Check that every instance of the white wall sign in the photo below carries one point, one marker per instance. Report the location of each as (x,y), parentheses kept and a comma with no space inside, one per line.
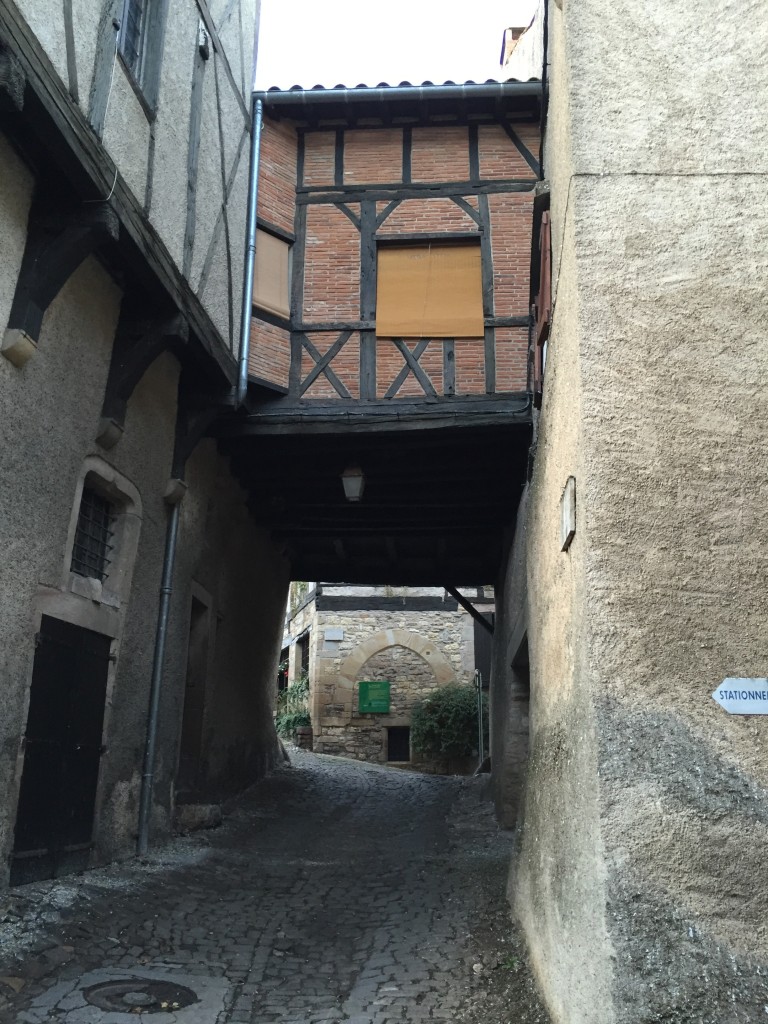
(568,514)
(743,696)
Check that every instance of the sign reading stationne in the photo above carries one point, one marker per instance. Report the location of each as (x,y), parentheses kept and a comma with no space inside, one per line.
(743,696)
(373,697)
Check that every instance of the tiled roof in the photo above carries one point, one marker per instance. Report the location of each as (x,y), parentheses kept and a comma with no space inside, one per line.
(396,85)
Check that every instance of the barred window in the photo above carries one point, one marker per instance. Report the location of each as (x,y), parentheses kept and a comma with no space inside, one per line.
(92,548)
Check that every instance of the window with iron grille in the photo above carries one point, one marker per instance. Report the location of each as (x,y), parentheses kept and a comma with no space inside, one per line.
(92,548)
(131,33)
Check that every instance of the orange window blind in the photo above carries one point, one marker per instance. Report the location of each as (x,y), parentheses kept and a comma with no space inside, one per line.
(271,274)
(429,291)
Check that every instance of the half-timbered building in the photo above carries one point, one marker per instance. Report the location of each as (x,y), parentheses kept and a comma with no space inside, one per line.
(389,341)
(130,674)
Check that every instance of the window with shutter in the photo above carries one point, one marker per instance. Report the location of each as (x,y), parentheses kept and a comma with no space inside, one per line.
(429,291)
(272,274)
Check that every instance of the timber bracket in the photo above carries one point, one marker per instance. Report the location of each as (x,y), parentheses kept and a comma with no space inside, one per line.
(470,608)
(12,81)
(137,344)
(57,243)
(200,405)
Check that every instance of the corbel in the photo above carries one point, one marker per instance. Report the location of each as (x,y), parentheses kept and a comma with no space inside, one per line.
(138,342)
(57,243)
(12,81)
(199,406)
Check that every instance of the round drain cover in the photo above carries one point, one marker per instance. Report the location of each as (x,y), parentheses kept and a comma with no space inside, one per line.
(145,995)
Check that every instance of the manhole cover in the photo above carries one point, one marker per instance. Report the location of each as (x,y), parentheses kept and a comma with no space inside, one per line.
(141,995)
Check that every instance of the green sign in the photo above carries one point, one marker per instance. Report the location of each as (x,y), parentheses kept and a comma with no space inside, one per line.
(373,697)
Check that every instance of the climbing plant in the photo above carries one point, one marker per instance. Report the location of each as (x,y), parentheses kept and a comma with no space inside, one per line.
(292,709)
(445,723)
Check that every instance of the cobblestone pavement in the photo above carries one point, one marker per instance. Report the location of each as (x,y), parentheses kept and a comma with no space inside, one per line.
(335,892)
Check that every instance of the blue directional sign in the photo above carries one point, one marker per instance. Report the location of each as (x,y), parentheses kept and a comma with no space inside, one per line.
(743,696)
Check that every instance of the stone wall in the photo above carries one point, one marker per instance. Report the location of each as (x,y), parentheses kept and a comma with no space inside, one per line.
(416,651)
(639,881)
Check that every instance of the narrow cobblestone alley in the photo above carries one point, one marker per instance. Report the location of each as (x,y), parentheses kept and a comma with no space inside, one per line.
(335,891)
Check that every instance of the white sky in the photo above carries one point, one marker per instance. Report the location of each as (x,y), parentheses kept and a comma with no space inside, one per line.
(349,42)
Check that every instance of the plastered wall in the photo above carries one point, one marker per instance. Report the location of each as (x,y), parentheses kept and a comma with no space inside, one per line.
(183,152)
(50,417)
(639,883)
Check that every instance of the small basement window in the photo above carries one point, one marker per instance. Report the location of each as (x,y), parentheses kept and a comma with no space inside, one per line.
(93,544)
(272,274)
(433,290)
(399,743)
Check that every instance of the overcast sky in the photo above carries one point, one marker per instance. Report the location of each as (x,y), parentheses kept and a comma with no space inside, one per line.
(330,42)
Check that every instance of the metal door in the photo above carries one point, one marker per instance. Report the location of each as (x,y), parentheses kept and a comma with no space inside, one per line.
(54,818)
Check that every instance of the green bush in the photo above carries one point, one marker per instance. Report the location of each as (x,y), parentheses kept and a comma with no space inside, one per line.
(292,709)
(445,723)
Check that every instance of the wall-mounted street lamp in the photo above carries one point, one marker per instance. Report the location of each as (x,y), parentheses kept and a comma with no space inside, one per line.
(354,483)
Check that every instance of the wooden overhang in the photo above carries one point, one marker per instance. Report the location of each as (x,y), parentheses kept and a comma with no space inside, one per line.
(74,176)
(442,485)
(443,473)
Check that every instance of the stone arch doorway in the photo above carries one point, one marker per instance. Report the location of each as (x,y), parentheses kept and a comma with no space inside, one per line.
(413,664)
(425,648)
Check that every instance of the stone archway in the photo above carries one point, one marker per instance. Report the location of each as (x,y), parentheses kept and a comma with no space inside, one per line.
(425,648)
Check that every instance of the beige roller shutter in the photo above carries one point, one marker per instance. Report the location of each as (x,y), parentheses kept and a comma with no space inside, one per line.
(429,291)
(271,288)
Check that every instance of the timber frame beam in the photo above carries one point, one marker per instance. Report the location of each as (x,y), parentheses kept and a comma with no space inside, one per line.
(137,344)
(12,81)
(55,135)
(57,243)
(470,608)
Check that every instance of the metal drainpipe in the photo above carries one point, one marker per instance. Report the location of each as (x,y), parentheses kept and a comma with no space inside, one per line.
(250,250)
(161,634)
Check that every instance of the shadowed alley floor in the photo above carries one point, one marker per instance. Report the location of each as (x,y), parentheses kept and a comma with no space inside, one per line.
(335,892)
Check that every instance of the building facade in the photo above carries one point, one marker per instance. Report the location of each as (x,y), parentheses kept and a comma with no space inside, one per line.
(124,139)
(635,582)
(415,639)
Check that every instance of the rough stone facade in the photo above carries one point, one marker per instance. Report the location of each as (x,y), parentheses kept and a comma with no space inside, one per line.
(639,881)
(416,650)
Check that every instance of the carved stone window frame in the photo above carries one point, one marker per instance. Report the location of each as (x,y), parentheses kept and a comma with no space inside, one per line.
(113,592)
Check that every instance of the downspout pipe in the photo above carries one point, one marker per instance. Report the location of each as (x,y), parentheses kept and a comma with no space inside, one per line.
(161,635)
(257,112)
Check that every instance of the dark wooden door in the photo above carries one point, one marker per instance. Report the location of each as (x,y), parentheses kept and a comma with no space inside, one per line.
(54,818)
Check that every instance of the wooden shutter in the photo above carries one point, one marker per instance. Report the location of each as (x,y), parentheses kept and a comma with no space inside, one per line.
(271,289)
(429,291)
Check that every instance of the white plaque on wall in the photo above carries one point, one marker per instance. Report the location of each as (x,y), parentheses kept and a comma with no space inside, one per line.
(568,514)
